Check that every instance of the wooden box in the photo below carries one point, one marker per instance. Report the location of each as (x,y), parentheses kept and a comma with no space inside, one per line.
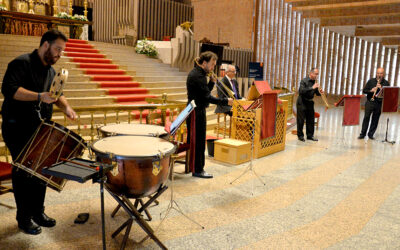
(232,151)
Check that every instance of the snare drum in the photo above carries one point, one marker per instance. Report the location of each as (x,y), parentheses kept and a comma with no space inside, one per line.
(142,163)
(133,129)
(48,145)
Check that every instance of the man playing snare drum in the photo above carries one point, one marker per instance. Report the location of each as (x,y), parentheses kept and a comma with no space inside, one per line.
(25,88)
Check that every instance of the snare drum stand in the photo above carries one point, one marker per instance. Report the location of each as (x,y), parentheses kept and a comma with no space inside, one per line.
(102,178)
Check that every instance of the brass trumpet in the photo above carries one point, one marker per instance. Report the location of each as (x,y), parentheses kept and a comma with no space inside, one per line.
(376,94)
(213,75)
(323,96)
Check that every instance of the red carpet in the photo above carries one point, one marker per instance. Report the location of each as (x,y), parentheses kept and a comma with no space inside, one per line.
(111,84)
(90,60)
(97,66)
(111,78)
(81,54)
(119,91)
(102,70)
(71,49)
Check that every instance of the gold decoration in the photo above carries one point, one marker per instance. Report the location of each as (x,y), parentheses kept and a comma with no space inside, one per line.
(85,8)
(31,7)
(55,8)
(70,7)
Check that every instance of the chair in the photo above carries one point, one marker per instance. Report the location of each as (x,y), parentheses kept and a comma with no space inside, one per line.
(5,174)
(226,131)
(316,117)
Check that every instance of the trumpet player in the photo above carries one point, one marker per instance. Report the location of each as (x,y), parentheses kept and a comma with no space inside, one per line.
(305,105)
(200,91)
(373,104)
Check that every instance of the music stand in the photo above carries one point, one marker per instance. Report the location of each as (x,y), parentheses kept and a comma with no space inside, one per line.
(81,170)
(390,104)
(171,128)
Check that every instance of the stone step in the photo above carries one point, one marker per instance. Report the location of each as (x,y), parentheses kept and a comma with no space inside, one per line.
(140,78)
(79,71)
(84,92)
(73,65)
(86,101)
(164,83)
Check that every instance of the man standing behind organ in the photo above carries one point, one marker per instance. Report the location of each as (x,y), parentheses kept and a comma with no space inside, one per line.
(232,85)
(25,86)
(200,91)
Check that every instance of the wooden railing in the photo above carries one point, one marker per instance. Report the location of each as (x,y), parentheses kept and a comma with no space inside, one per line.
(91,118)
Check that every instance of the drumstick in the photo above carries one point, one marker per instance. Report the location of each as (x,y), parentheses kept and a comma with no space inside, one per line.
(80,164)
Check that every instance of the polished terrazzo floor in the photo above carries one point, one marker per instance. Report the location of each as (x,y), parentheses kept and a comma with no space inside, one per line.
(337,193)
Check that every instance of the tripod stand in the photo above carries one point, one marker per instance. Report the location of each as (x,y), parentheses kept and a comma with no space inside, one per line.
(172,203)
(250,166)
(386,136)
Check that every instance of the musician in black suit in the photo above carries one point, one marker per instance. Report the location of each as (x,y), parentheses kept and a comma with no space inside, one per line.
(200,91)
(373,105)
(232,85)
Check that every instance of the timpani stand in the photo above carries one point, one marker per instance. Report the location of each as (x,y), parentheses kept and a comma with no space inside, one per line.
(135,215)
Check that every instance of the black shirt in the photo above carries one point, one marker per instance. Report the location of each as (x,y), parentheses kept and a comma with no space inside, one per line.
(371,84)
(26,71)
(306,92)
(200,91)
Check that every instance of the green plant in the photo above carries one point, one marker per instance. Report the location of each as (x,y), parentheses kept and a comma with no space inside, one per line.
(147,48)
(77,17)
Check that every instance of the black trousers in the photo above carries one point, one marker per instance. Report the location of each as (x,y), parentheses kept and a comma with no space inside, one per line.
(371,108)
(305,112)
(29,191)
(200,147)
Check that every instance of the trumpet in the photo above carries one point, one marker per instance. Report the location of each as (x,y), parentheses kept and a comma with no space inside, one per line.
(211,74)
(376,90)
(323,96)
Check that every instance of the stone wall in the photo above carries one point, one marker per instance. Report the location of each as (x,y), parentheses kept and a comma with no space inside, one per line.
(224,21)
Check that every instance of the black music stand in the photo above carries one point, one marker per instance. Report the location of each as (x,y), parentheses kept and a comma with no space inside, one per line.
(171,128)
(82,170)
(390,104)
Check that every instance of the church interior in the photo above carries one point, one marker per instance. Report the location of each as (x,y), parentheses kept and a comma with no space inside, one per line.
(124,71)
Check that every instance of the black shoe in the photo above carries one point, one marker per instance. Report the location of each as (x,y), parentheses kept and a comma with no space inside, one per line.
(301,139)
(30,227)
(312,139)
(43,220)
(203,174)
(361,137)
(371,137)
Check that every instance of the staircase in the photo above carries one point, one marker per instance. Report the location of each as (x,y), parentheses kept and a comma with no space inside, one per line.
(105,74)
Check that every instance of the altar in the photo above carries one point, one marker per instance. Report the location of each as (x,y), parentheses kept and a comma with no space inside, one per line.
(35,17)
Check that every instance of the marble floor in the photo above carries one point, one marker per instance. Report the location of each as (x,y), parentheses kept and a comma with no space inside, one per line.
(337,193)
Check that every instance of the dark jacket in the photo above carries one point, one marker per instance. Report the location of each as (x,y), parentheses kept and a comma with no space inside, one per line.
(306,92)
(200,91)
(26,71)
(222,93)
(371,84)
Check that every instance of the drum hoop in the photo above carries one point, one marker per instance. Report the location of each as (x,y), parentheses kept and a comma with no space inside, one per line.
(48,181)
(156,157)
(114,133)
(71,133)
